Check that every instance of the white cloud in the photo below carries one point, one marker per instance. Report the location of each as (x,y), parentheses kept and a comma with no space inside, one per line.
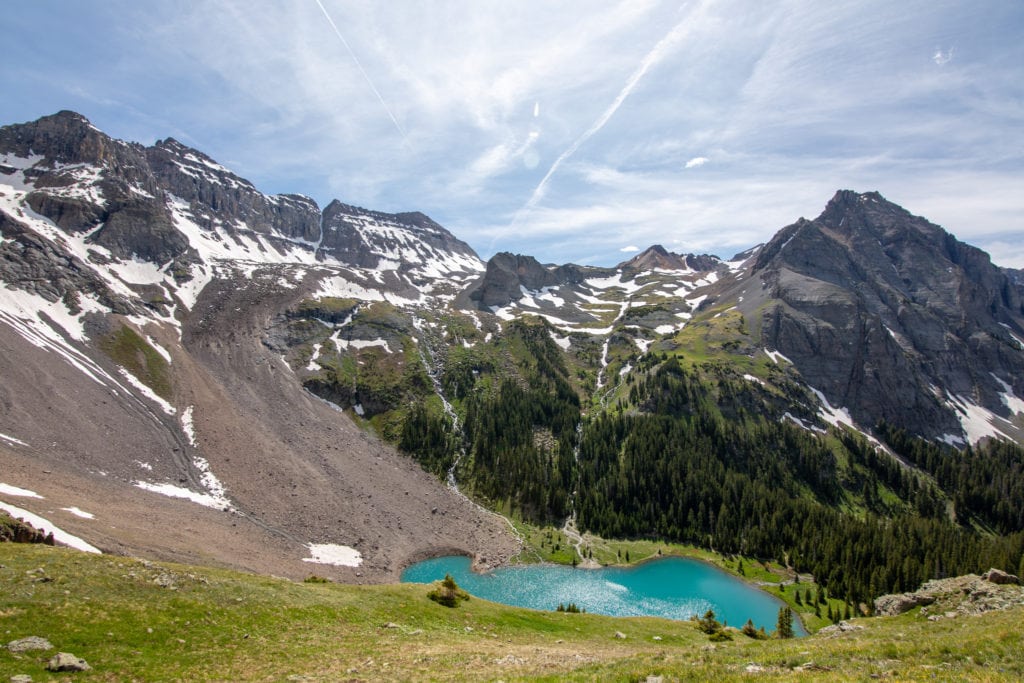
(588,115)
(941,57)
(631,248)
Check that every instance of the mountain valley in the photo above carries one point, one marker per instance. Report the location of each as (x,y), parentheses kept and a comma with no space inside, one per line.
(223,377)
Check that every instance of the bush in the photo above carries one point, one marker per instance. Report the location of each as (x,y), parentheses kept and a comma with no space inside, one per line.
(755,633)
(313,578)
(708,624)
(448,593)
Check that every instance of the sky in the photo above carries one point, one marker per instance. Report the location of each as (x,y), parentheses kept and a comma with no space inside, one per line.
(571,131)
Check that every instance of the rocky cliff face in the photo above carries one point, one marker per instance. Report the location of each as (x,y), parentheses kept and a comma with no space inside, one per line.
(892,317)
(404,241)
(219,198)
(508,275)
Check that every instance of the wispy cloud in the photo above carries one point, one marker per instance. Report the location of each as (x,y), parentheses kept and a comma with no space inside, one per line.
(525,126)
(652,58)
(369,81)
(631,248)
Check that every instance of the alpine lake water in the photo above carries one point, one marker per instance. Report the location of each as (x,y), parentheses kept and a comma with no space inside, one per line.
(669,587)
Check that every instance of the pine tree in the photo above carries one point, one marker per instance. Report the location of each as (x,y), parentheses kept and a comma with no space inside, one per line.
(784,626)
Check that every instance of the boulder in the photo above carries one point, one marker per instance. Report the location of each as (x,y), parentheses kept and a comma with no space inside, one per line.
(30,643)
(65,661)
(842,627)
(891,605)
(1000,577)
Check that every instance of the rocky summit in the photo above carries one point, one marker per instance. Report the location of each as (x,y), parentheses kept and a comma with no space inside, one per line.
(195,370)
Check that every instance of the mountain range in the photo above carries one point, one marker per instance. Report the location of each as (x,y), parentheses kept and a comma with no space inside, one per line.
(221,376)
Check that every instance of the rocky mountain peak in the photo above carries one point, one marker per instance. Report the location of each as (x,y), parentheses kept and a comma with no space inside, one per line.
(410,241)
(657,257)
(872,296)
(62,138)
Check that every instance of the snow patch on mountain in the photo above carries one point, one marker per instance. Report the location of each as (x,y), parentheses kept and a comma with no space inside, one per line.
(59,535)
(147,392)
(977,422)
(1010,400)
(831,415)
(188,426)
(777,356)
(172,491)
(9,490)
(333,554)
(78,512)
(12,440)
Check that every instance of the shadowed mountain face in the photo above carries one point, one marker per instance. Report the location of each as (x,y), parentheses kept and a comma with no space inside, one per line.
(230,370)
(890,316)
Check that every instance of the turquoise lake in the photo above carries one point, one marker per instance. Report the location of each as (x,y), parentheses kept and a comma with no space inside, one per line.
(670,587)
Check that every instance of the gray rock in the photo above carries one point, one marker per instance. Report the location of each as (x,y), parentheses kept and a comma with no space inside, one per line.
(842,627)
(70,213)
(21,678)
(65,661)
(891,605)
(29,643)
(619,635)
(1000,577)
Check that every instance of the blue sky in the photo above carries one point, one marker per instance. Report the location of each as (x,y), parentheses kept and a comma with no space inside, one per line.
(572,131)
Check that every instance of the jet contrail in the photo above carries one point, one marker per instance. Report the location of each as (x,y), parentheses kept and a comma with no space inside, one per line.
(355,59)
(655,55)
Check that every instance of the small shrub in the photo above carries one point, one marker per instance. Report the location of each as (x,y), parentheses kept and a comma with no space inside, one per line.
(749,631)
(708,624)
(313,578)
(448,593)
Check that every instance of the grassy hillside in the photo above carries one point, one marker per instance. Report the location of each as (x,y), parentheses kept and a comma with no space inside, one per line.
(138,620)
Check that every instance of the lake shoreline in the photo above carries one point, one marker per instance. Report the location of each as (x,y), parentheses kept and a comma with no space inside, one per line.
(671,586)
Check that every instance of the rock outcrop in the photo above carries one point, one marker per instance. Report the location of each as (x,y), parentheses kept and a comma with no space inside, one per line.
(508,275)
(65,661)
(962,595)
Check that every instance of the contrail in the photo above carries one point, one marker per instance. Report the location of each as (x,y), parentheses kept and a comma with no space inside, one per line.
(655,55)
(398,126)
